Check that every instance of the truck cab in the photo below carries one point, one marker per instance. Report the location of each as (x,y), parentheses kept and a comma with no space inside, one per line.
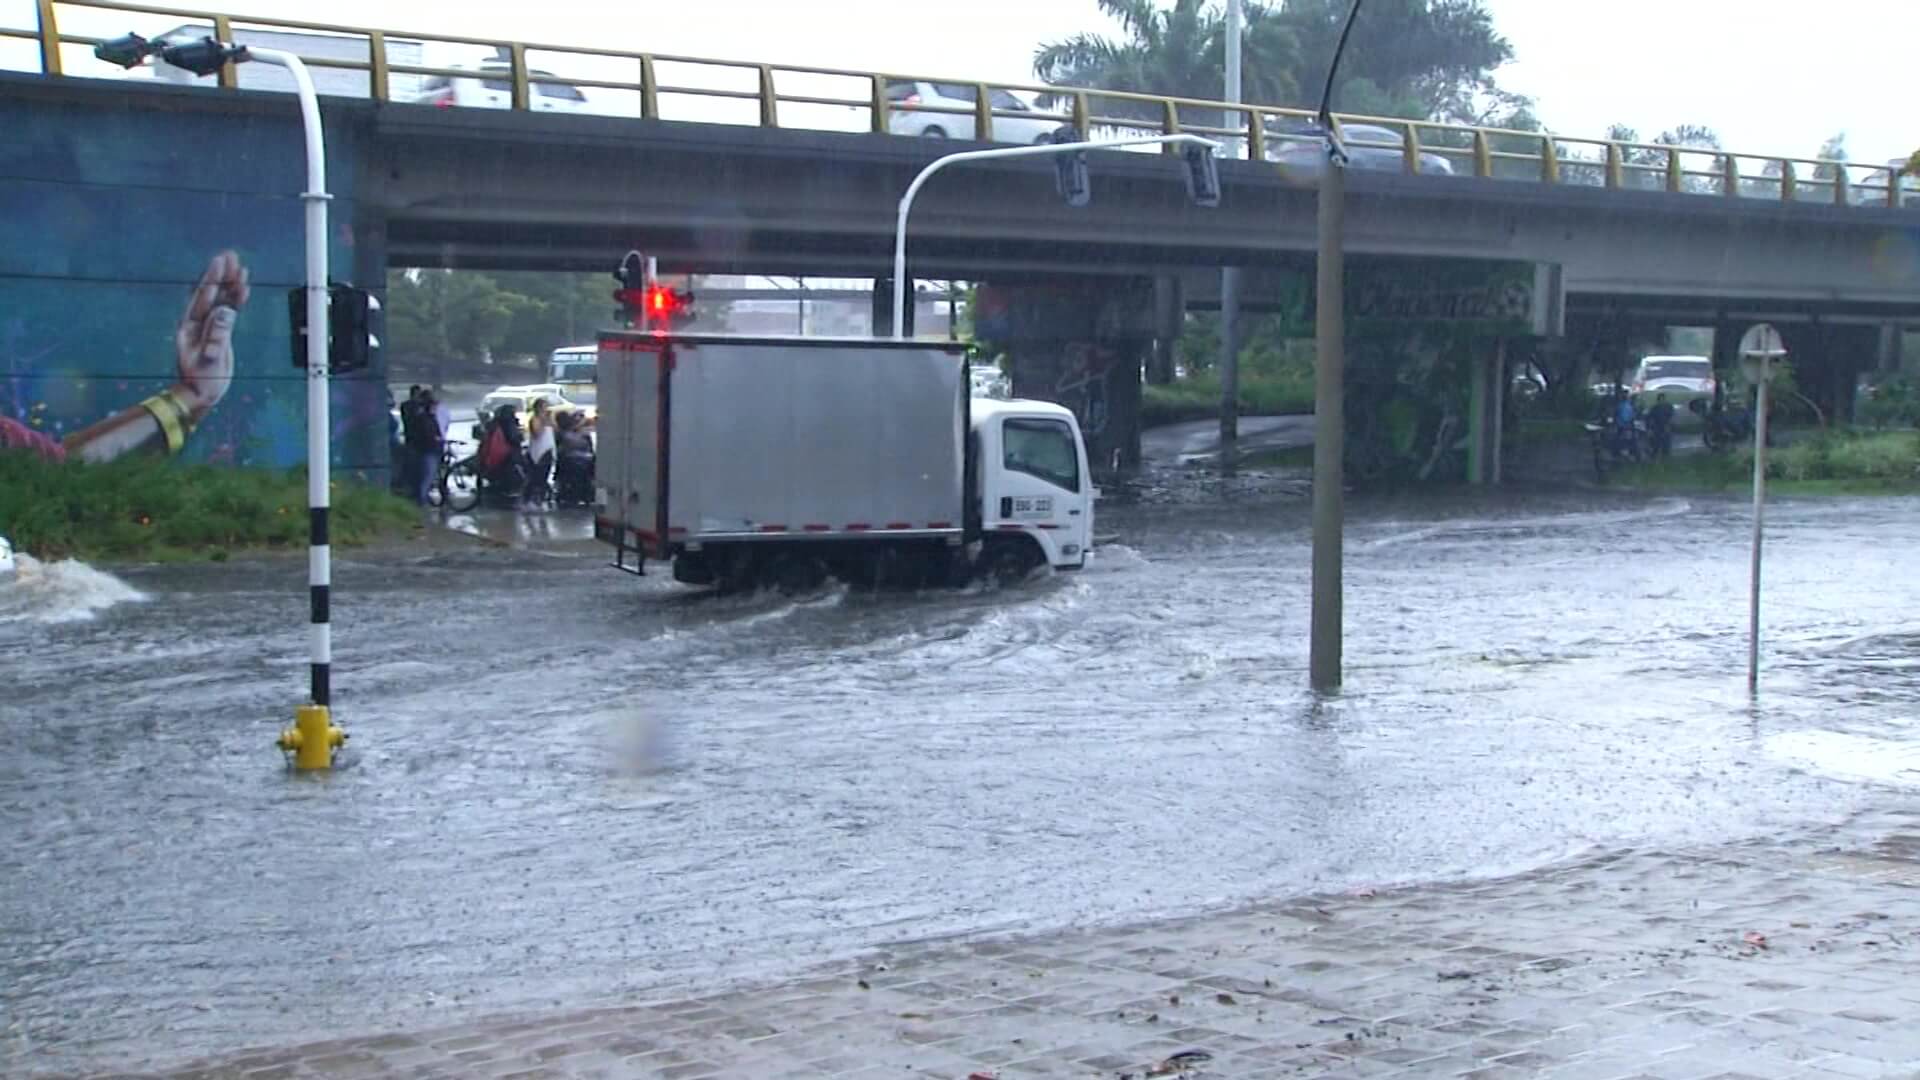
(1035,489)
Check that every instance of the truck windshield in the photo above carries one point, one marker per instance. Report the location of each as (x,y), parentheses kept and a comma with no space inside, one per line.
(1043,448)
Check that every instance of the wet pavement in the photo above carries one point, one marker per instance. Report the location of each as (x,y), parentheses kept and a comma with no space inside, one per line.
(1774,958)
(568,787)
(1198,442)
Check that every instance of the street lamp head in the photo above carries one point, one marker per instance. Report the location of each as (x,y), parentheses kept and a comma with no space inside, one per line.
(203,57)
(129,50)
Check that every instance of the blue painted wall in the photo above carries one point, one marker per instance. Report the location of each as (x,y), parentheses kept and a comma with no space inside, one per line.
(108,220)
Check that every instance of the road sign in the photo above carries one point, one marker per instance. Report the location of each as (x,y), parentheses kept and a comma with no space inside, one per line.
(1760,346)
(1762,340)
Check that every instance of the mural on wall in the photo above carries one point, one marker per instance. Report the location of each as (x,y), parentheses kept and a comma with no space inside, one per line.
(144,263)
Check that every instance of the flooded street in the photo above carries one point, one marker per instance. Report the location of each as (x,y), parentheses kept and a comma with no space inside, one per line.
(567,785)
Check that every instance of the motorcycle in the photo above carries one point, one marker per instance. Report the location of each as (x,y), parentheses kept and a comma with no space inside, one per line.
(1722,427)
(1613,446)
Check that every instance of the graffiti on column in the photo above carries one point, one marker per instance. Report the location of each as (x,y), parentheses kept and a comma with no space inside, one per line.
(1082,385)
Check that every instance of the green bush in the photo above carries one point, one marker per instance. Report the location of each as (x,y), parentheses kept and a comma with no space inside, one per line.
(1842,461)
(1893,403)
(142,507)
(1198,398)
(1884,456)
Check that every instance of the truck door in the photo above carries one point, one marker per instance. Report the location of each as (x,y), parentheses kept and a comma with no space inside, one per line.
(1041,486)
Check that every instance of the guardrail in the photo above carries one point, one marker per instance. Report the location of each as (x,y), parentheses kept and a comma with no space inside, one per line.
(1259,133)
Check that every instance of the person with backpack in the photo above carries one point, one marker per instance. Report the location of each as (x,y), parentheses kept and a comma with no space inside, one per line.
(500,453)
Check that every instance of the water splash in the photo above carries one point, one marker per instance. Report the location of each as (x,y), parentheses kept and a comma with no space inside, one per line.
(60,592)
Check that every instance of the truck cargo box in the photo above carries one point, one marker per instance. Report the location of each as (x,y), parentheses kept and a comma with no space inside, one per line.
(710,437)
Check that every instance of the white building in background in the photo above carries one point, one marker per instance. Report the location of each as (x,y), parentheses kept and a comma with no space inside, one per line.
(810,307)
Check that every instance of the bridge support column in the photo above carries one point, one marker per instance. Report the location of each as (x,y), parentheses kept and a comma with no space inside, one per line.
(1486,406)
(1169,321)
(1079,342)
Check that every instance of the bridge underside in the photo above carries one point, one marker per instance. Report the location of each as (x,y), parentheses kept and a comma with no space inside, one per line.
(119,197)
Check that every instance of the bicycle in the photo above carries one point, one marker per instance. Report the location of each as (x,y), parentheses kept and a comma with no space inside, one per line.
(458,489)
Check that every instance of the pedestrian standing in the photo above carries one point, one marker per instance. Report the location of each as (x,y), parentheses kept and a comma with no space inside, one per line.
(422,429)
(1660,426)
(540,447)
(407,464)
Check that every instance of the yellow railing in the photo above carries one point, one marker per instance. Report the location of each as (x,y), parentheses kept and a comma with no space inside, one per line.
(1259,133)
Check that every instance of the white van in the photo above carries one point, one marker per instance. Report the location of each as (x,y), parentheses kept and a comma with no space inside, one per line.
(572,369)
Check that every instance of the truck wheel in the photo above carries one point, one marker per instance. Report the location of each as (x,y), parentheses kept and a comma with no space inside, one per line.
(690,569)
(795,574)
(1010,562)
(734,567)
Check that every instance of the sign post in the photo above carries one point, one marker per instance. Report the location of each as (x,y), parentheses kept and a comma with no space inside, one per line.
(1759,347)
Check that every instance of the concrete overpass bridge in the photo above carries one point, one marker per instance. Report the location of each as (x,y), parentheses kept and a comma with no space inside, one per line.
(1636,232)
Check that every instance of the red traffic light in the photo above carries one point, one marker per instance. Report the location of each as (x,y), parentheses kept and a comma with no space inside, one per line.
(656,306)
(662,302)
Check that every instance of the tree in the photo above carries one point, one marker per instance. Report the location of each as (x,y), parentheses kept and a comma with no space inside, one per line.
(1180,51)
(558,309)
(1423,58)
(435,316)
(1653,162)
(1834,149)
(1413,58)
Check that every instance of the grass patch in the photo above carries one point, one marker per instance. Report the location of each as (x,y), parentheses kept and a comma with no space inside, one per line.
(143,508)
(1198,398)
(1828,463)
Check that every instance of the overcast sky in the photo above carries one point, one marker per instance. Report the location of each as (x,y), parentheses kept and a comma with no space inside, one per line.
(1772,76)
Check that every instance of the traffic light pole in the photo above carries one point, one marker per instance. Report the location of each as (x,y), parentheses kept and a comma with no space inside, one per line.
(913,189)
(313,737)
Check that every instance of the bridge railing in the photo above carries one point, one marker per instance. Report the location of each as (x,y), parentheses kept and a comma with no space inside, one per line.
(391,65)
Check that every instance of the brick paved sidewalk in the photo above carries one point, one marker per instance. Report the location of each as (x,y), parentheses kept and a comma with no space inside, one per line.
(1760,960)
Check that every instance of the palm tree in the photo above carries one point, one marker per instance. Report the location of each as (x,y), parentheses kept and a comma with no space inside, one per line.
(1179,52)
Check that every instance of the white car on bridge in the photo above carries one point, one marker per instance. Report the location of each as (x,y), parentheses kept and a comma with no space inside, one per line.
(907,98)
(491,87)
(1369,146)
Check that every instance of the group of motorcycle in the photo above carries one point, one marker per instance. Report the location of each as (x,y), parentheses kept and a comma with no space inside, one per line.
(1622,436)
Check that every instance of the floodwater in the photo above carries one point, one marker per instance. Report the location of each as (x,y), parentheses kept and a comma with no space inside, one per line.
(566,785)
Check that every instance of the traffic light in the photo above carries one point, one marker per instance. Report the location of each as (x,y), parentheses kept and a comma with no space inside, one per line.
(1070,171)
(668,307)
(128,50)
(1203,175)
(632,276)
(350,338)
(203,57)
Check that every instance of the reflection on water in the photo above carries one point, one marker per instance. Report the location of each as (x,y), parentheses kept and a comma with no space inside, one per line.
(570,784)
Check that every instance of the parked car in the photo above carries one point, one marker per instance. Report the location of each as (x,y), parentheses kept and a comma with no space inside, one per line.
(906,100)
(491,87)
(523,397)
(989,382)
(1369,146)
(1681,378)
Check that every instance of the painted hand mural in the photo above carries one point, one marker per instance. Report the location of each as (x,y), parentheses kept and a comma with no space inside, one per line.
(203,354)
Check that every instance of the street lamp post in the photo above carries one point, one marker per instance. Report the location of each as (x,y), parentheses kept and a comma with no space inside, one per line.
(313,738)
(913,189)
(1230,281)
(1329,397)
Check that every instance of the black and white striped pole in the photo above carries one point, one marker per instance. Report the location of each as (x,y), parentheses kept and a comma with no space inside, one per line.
(313,738)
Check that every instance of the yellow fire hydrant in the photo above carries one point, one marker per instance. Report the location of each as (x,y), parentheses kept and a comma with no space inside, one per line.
(312,739)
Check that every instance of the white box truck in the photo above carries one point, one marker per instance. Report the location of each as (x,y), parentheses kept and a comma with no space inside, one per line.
(747,461)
